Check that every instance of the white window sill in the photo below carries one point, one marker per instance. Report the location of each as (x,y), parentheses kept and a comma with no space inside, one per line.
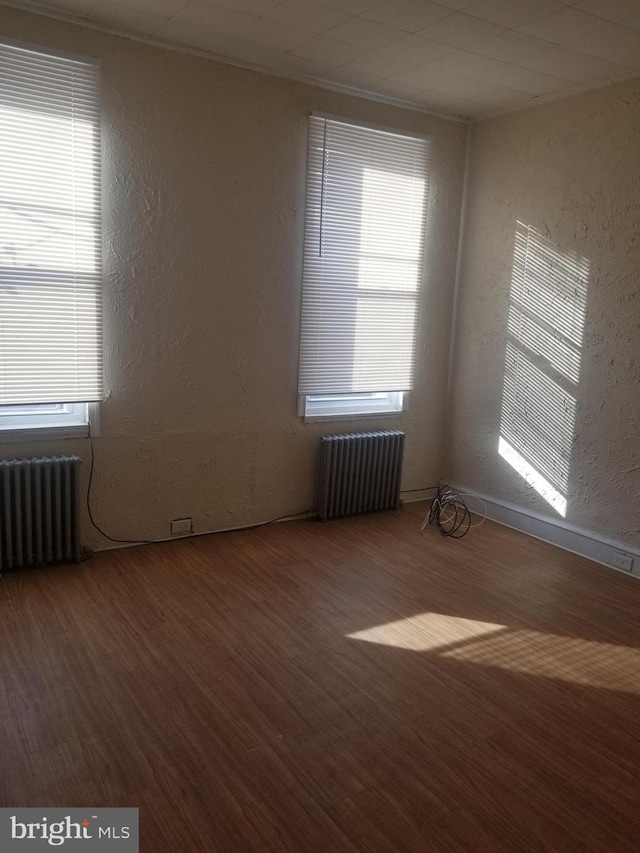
(355,416)
(43,433)
(351,407)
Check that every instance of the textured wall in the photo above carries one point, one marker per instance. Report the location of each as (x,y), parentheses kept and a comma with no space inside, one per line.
(204,169)
(570,173)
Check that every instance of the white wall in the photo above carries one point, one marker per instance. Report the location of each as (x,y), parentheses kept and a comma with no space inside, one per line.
(571,171)
(204,169)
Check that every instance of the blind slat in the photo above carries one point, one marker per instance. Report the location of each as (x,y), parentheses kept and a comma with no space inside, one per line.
(50,265)
(363,258)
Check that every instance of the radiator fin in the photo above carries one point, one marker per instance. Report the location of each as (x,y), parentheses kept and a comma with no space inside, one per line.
(359,472)
(39,511)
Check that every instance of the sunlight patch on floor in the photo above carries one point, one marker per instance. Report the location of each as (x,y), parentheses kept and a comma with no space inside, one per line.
(424,632)
(570,659)
(544,655)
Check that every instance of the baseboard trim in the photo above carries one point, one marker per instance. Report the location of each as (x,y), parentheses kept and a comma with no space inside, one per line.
(556,532)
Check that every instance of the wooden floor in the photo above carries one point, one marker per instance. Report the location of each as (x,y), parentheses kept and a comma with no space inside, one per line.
(349,686)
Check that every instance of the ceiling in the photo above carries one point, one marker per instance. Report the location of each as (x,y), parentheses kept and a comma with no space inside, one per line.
(464,57)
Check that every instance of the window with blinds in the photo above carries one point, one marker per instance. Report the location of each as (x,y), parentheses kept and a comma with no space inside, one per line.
(363,267)
(50,266)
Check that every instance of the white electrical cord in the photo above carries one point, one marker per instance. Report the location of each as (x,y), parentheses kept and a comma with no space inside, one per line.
(450,513)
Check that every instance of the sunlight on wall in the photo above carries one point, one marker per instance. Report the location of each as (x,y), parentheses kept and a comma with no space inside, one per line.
(534,478)
(570,659)
(542,364)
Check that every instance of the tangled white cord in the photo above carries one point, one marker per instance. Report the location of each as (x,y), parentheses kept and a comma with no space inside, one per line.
(450,513)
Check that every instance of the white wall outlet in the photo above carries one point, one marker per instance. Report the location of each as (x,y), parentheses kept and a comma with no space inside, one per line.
(181,525)
(622,561)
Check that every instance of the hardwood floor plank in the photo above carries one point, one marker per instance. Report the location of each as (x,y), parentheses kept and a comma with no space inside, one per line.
(349,686)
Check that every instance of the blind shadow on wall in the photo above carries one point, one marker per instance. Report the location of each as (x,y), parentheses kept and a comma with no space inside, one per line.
(547,305)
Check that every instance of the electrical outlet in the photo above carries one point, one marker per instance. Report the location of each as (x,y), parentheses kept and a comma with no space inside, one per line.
(622,561)
(181,525)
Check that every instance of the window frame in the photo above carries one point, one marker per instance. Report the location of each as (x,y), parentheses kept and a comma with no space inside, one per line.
(58,420)
(345,406)
(322,407)
(55,421)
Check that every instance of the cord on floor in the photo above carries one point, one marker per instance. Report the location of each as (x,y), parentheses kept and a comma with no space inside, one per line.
(450,513)
(301,515)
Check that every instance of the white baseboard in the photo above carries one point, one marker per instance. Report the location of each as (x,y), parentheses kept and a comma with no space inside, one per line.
(567,536)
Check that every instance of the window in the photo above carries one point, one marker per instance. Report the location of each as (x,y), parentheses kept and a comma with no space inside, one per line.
(363,268)
(50,266)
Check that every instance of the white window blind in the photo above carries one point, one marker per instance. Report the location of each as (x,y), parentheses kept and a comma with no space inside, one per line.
(363,258)
(50,270)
